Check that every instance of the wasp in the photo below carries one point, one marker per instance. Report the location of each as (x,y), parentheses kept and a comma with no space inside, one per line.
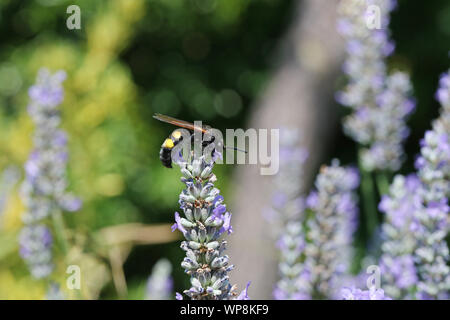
(165,153)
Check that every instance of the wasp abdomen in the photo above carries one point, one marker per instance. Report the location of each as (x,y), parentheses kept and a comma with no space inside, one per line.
(165,154)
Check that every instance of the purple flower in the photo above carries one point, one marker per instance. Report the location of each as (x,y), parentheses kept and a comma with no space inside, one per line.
(312,201)
(288,205)
(398,271)
(402,269)
(443,93)
(70,203)
(354,294)
(358,294)
(226,227)
(329,232)
(205,219)
(219,210)
(54,292)
(415,253)
(48,90)
(36,249)
(378,294)
(380,102)
(244,293)
(44,189)
(177,224)
(178,296)
(160,282)
(431,254)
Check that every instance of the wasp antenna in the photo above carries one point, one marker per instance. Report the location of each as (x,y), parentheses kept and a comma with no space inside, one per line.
(237,149)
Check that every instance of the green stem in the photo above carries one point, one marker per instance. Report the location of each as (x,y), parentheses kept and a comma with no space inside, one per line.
(61,236)
(382,183)
(369,199)
(60,231)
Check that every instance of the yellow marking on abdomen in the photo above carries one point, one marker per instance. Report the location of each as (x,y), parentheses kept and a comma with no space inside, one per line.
(168,143)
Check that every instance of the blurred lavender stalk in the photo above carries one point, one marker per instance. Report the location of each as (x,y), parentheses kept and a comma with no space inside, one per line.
(434,163)
(205,219)
(431,223)
(160,282)
(398,272)
(330,231)
(415,253)
(380,102)
(287,214)
(324,249)
(54,292)
(44,189)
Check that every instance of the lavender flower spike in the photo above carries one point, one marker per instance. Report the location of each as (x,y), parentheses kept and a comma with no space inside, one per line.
(291,285)
(434,161)
(288,214)
(380,103)
(36,249)
(399,274)
(44,189)
(330,230)
(205,219)
(432,221)
(160,282)
(54,292)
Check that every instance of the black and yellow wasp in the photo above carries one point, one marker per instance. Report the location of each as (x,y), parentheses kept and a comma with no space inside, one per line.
(165,154)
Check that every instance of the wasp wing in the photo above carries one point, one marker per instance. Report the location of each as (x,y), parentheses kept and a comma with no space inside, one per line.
(178,122)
